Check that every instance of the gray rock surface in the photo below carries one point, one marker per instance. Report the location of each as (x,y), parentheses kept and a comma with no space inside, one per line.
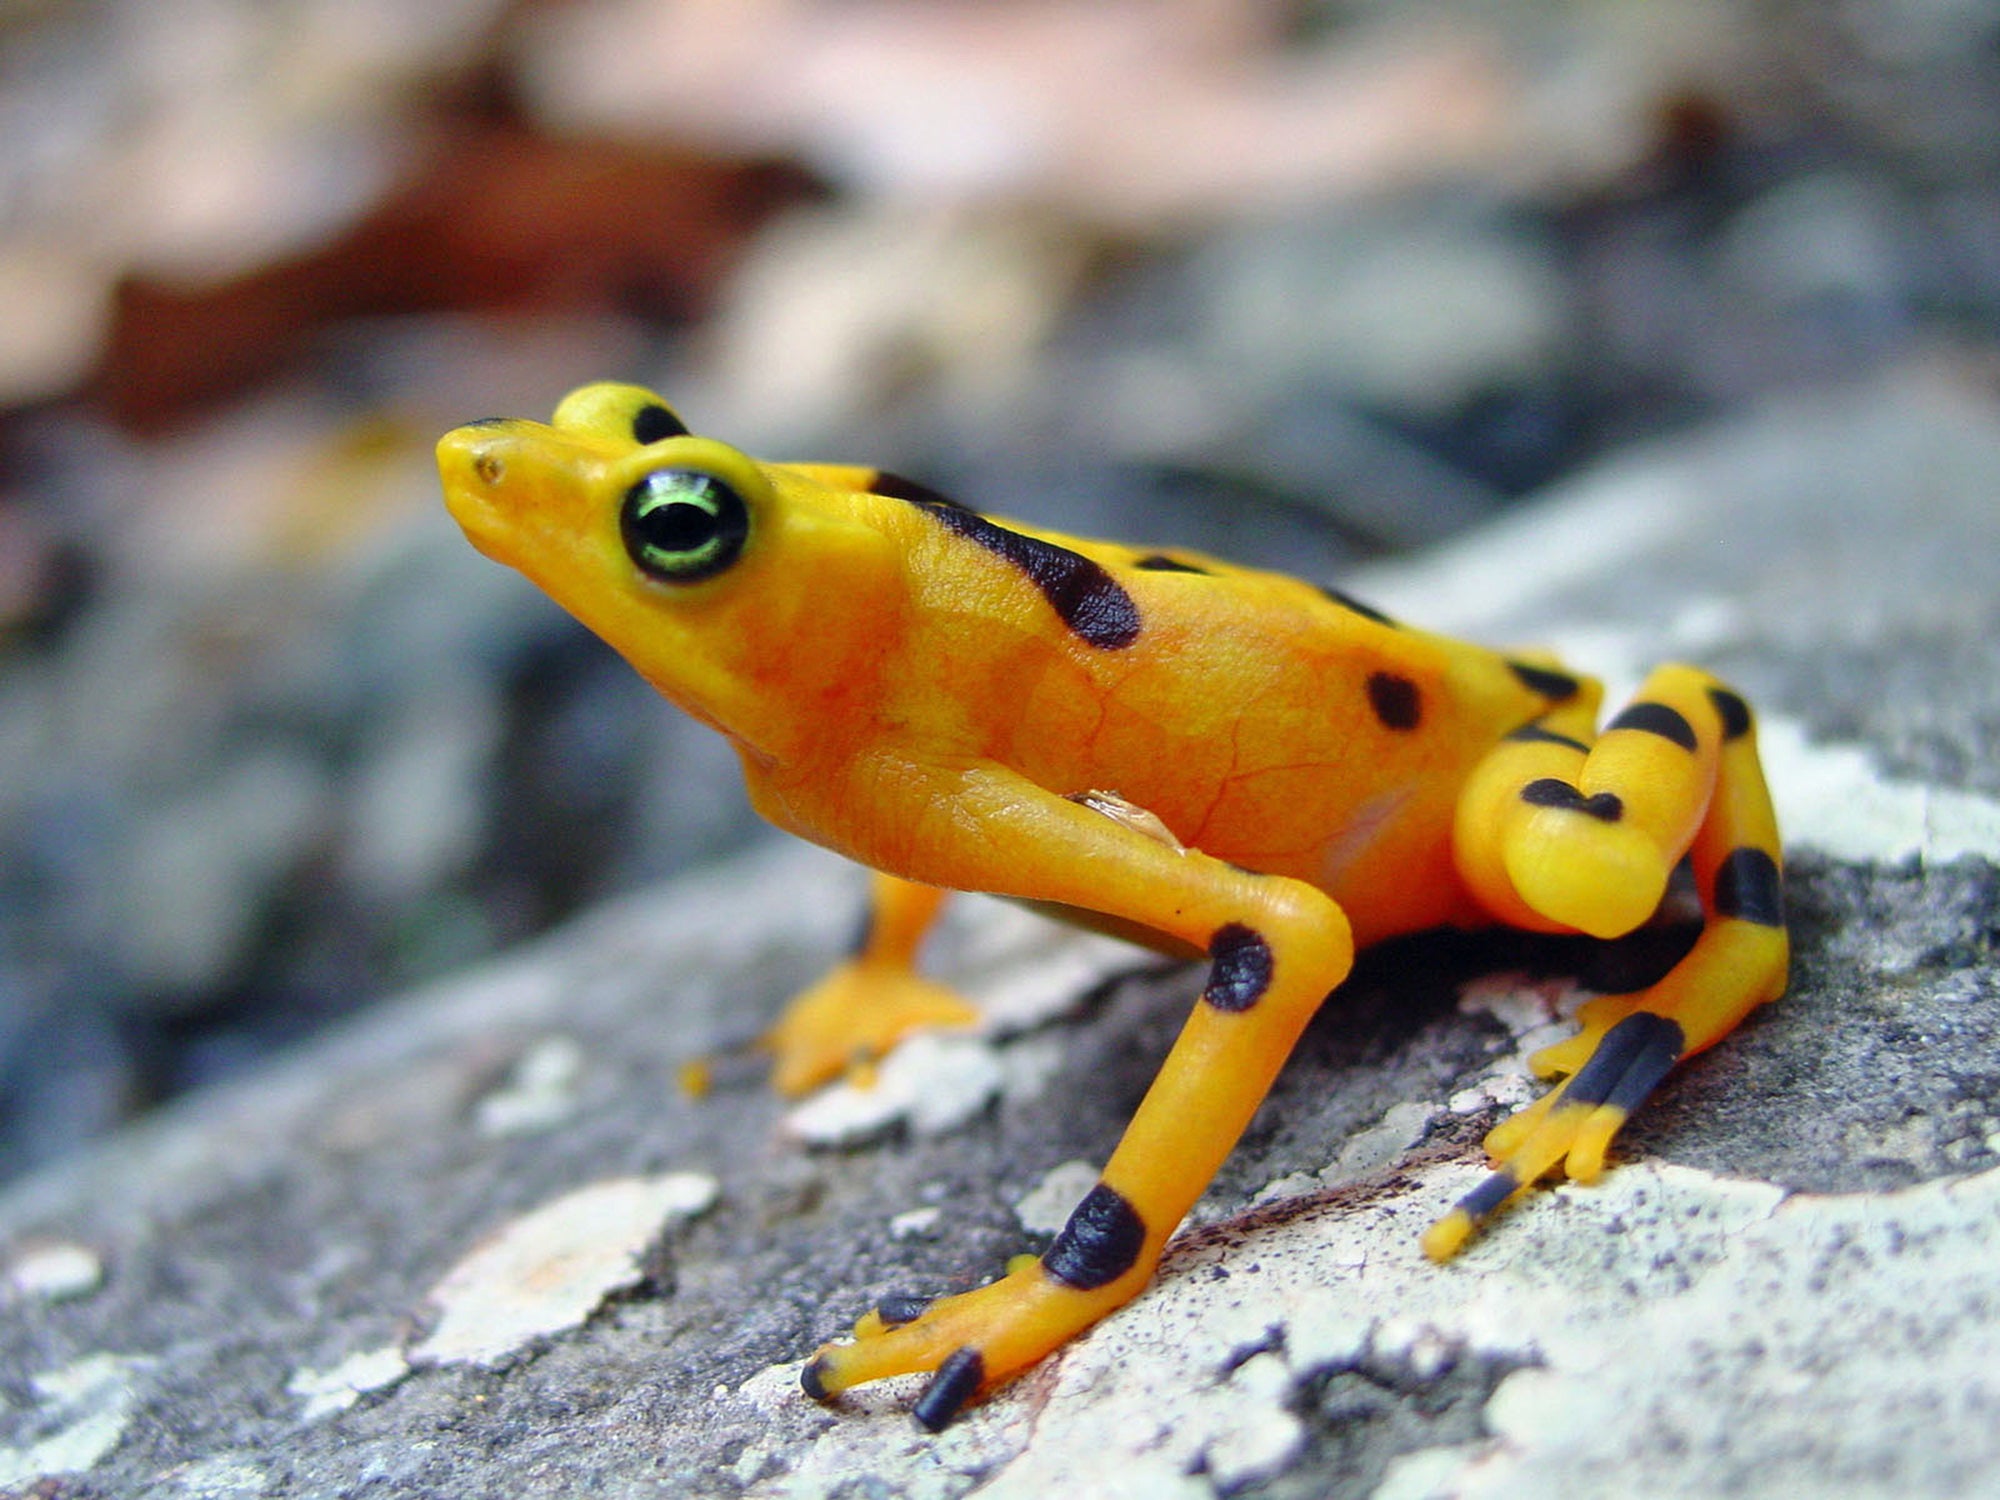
(483,1243)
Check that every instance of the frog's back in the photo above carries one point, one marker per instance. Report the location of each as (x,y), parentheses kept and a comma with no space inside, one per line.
(1268,721)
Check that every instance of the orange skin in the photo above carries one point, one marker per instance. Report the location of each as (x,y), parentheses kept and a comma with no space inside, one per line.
(1217,758)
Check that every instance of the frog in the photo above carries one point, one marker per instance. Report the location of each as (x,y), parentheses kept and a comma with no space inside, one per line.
(1249,768)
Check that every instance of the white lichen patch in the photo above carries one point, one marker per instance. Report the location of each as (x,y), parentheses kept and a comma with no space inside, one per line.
(1046,1206)
(934,1082)
(228,1476)
(325,1392)
(1707,1333)
(1263,1446)
(1832,798)
(1531,1009)
(918,1223)
(1538,1013)
(53,1271)
(1025,970)
(550,1269)
(1362,1154)
(1367,1151)
(80,1413)
(540,1091)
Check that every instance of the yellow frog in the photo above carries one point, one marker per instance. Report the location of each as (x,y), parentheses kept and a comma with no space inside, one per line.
(1233,762)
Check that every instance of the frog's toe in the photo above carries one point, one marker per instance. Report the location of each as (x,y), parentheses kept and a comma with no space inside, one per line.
(1594,1020)
(970,1342)
(1571,1127)
(853,1016)
(957,1378)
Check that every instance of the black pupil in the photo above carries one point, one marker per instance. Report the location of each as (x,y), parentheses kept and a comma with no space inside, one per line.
(680,526)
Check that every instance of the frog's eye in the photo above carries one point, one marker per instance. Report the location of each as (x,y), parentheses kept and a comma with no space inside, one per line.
(682,524)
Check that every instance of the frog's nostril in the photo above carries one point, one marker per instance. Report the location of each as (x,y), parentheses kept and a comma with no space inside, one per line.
(488,467)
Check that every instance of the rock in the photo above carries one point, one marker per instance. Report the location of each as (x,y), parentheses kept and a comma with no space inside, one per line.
(1786,1287)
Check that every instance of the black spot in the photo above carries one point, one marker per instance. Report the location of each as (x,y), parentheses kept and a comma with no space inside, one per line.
(900,1309)
(956,1382)
(1085,597)
(654,423)
(1396,701)
(1750,888)
(1534,734)
(1557,687)
(1495,1190)
(896,487)
(489,422)
(1735,712)
(1159,562)
(1549,792)
(1628,1062)
(810,1379)
(1656,718)
(1240,968)
(1100,1243)
(1349,602)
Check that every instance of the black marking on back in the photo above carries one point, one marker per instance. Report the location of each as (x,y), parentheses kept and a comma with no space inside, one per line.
(1535,734)
(1159,562)
(1240,968)
(653,423)
(1084,596)
(1735,712)
(896,487)
(1349,602)
(1100,1243)
(1557,687)
(956,1382)
(1396,701)
(1628,1063)
(1656,718)
(1549,792)
(1750,888)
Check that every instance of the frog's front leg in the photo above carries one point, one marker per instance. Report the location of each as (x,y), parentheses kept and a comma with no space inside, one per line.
(867,1004)
(1276,948)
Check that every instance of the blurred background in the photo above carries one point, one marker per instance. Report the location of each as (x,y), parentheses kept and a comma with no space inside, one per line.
(1304,282)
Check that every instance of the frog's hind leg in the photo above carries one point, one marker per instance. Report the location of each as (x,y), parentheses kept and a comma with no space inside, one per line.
(867,1004)
(1556,833)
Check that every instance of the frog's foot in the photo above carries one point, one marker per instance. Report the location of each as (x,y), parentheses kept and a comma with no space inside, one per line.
(972,1341)
(1573,1125)
(853,1016)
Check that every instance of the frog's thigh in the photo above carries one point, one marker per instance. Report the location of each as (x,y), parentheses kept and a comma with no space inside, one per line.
(872,1000)
(1684,755)
(1276,947)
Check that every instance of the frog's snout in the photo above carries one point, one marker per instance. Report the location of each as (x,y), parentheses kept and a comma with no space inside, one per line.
(473,463)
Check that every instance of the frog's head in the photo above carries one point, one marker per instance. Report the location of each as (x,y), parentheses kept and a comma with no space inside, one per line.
(751,594)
